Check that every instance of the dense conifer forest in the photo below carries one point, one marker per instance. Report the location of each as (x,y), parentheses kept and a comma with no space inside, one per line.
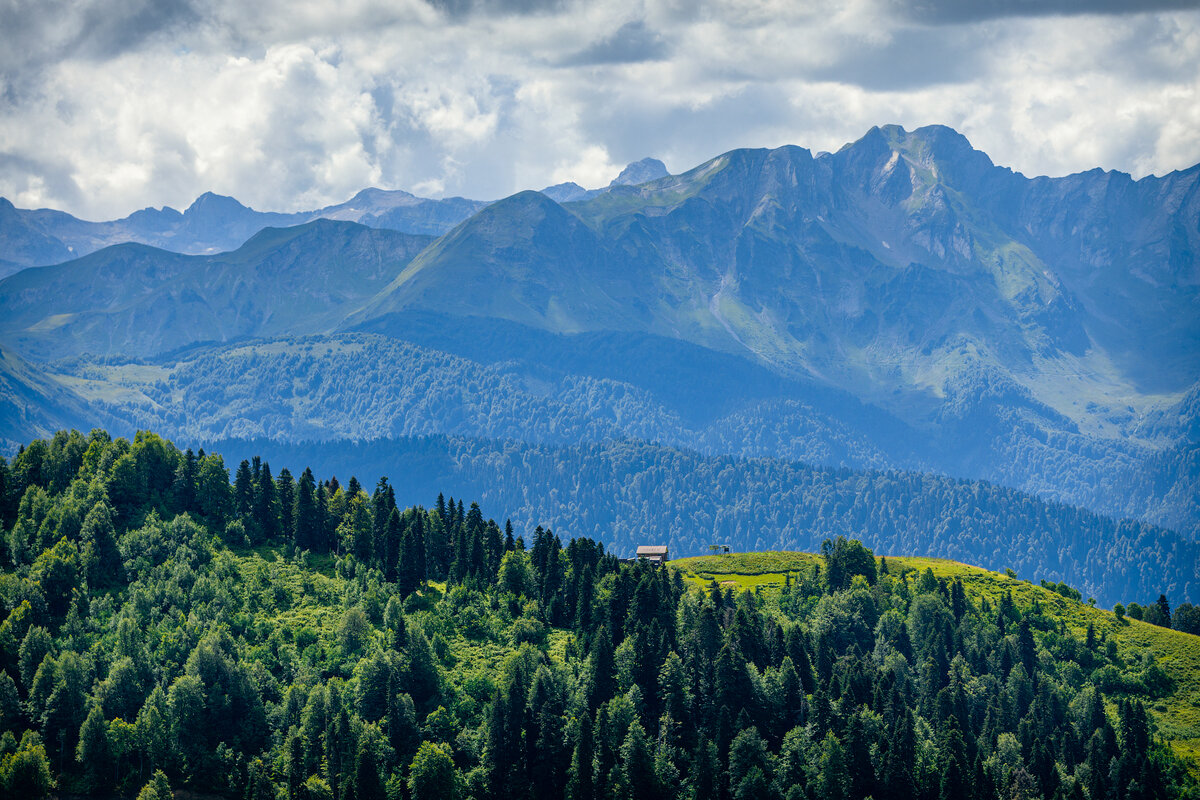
(167,625)
(620,492)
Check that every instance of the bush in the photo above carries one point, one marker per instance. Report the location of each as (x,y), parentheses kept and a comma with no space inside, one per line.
(528,630)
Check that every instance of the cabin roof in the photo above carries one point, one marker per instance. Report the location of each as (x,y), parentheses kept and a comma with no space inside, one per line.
(652,550)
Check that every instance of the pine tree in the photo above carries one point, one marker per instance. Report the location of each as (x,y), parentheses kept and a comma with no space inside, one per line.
(1164,608)
(706,772)
(93,753)
(285,491)
(580,785)
(266,504)
(100,546)
(833,778)
(367,785)
(412,566)
(601,670)
(389,546)
(243,493)
(897,782)
(184,487)
(306,522)
(637,765)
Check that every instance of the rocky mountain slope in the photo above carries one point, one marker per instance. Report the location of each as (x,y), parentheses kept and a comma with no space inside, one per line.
(900,303)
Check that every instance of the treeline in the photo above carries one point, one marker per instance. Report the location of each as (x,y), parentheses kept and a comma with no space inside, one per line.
(626,493)
(1185,618)
(138,651)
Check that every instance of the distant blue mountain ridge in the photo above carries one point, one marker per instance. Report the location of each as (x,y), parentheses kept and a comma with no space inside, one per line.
(902,303)
(214,223)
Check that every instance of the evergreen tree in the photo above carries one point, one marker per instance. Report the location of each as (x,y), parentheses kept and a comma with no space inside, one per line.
(243,493)
(184,487)
(307,524)
(412,565)
(266,504)
(601,670)
(637,765)
(367,785)
(432,775)
(833,778)
(93,753)
(100,547)
(580,785)
(285,491)
(1164,609)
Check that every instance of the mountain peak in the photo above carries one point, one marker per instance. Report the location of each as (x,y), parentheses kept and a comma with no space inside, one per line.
(211,203)
(648,169)
(372,193)
(565,192)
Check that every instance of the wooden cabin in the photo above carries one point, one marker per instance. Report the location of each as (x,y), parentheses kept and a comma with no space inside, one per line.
(653,552)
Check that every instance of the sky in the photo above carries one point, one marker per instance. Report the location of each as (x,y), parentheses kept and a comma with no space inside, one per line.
(110,106)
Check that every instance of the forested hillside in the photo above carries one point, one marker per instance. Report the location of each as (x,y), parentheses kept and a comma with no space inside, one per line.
(491,380)
(164,628)
(628,493)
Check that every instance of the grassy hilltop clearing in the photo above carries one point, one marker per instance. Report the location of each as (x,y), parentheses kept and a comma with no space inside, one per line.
(1177,713)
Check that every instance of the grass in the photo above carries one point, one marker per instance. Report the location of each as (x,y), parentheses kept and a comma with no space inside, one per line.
(769,567)
(1177,716)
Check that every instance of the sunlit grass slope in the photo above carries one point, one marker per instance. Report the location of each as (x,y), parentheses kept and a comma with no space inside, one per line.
(1177,715)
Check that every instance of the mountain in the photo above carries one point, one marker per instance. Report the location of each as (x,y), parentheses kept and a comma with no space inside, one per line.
(214,223)
(567,192)
(31,401)
(906,269)
(644,171)
(898,260)
(26,244)
(902,303)
(401,211)
(135,300)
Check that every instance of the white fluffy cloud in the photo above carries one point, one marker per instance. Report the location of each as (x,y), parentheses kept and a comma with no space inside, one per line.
(106,107)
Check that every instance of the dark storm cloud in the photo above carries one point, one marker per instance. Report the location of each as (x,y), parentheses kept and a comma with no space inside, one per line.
(913,58)
(686,137)
(960,11)
(632,43)
(43,31)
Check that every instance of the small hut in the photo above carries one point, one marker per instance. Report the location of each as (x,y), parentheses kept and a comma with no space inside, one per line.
(653,552)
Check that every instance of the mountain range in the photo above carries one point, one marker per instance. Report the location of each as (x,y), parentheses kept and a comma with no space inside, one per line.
(902,303)
(214,223)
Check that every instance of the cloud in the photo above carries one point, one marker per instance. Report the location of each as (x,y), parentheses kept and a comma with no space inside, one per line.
(37,32)
(464,8)
(958,11)
(633,42)
(295,104)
